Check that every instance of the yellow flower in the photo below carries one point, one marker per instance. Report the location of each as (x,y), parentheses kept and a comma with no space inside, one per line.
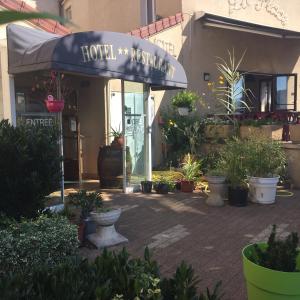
(221,82)
(209,83)
(221,77)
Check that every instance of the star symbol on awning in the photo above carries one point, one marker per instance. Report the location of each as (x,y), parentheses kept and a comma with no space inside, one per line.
(120,50)
(125,51)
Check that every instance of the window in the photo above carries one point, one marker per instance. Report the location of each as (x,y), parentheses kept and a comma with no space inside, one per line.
(148,12)
(68,13)
(285,92)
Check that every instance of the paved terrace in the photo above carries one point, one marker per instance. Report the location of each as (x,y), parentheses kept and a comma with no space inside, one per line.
(181,226)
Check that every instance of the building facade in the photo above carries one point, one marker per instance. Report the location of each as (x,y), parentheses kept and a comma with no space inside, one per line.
(195,32)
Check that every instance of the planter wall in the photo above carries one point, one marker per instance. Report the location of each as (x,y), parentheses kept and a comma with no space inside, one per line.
(293,156)
(267,284)
(269,131)
(218,131)
(295,133)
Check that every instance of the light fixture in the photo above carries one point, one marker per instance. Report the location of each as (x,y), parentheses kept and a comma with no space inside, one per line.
(206,76)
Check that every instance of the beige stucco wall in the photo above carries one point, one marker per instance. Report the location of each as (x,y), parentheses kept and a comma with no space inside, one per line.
(165,8)
(276,13)
(111,15)
(51,6)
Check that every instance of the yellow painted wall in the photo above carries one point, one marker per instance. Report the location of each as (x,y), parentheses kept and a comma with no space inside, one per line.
(165,8)
(110,15)
(92,123)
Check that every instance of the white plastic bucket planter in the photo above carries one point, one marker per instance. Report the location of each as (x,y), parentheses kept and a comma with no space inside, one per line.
(183,111)
(263,190)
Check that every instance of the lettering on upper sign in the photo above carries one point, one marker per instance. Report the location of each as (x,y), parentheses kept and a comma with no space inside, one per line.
(270,6)
(104,52)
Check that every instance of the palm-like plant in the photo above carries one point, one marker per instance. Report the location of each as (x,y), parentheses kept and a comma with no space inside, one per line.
(8,16)
(232,95)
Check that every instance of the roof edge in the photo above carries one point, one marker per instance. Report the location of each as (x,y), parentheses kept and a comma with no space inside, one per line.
(158,26)
(45,24)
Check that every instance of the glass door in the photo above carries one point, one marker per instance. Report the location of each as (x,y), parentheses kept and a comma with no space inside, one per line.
(134,130)
(286,92)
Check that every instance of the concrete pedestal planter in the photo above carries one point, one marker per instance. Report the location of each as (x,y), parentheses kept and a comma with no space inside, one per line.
(268,131)
(267,284)
(218,190)
(263,190)
(295,133)
(106,234)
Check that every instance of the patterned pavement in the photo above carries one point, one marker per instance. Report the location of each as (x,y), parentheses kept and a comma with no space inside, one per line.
(181,226)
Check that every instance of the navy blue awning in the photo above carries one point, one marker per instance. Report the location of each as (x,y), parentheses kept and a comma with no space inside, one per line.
(105,54)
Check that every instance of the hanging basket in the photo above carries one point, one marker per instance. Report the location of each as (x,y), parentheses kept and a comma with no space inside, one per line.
(53,105)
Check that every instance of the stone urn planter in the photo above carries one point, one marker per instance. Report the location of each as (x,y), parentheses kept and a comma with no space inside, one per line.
(218,190)
(263,190)
(183,111)
(106,234)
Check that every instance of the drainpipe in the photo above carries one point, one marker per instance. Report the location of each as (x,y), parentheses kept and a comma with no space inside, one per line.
(148,130)
(124,137)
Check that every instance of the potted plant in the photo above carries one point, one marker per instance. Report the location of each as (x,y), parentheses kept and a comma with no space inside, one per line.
(86,202)
(265,160)
(217,186)
(146,186)
(272,270)
(233,163)
(163,186)
(191,172)
(185,101)
(117,134)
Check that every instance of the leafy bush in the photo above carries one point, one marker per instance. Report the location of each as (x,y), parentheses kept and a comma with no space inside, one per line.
(111,276)
(29,168)
(167,175)
(86,201)
(185,99)
(280,255)
(28,244)
(233,162)
(265,157)
(191,168)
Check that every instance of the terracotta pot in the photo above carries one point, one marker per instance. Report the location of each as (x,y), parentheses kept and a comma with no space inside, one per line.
(81,227)
(54,106)
(187,186)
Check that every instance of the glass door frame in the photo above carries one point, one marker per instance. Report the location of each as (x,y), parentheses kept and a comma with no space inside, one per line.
(147,135)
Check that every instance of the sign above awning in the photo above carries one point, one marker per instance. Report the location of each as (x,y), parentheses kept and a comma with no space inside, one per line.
(210,20)
(105,54)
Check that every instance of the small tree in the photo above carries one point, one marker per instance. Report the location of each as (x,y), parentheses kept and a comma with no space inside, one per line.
(29,168)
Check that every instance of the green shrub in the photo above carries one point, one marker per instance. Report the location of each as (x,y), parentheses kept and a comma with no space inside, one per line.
(185,99)
(111,276)
(29,168)
(265,157)
(280,255)
(28,244)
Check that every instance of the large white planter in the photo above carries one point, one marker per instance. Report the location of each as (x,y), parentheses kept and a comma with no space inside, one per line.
(106,234)
(218,190)
(183,111)
(263,190)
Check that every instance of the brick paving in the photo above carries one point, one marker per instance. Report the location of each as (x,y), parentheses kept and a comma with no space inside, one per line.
(181,226)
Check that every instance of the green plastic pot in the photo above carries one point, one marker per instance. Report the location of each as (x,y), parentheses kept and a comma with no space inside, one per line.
(267,284)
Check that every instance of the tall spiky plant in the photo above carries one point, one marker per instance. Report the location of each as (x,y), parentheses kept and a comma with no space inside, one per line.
(231,95)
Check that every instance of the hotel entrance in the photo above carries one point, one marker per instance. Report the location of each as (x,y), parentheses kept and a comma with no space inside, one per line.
(93,62)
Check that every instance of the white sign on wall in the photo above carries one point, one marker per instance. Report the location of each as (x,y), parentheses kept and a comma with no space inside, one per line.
(270,6)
